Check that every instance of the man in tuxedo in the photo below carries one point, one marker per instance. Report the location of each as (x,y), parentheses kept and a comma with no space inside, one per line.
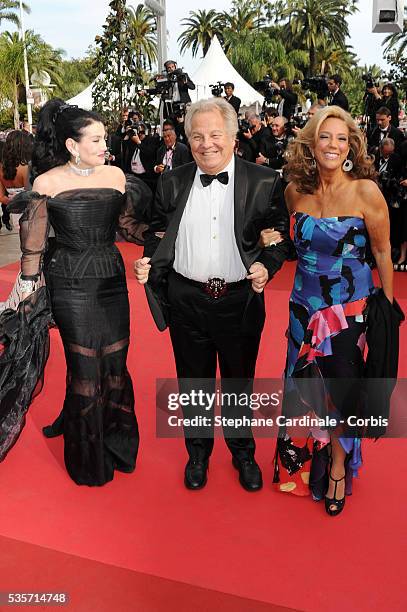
(337,97)
(384,129)
(230,97)
(206,276)
(171,154)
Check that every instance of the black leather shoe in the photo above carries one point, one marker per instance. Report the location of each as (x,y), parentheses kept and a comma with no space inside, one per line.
(249,474)
(56,429)
(196,474)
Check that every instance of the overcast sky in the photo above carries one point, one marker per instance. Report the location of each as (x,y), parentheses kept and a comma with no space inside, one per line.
(73,25)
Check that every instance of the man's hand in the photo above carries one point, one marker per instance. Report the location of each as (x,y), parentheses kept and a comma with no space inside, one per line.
(260,159)
(259,276)
(159,169)
(269,237)
(142,269)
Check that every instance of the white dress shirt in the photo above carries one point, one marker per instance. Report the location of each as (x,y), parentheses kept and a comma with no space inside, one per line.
(206,245)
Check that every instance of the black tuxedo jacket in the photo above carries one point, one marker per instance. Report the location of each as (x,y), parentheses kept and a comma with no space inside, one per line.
(259,204)
(180,156)
(235,102)
(339,99)
(393,133)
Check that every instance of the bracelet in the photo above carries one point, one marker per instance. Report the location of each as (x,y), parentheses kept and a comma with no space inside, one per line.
(27,286)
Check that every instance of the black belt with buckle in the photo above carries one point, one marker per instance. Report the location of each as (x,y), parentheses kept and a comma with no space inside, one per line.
(215,287)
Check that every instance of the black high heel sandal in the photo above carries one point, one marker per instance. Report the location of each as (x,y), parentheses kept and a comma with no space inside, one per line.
(400,267)
(333,501)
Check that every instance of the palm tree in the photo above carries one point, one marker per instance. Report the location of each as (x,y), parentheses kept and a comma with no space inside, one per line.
(399,39)
(336,60)
(244,16)
(142,28)
(40,55)
(7,8)
(201,27)
(313,22)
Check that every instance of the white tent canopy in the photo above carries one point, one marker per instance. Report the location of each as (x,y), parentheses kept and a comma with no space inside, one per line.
(84,98)
(216,67)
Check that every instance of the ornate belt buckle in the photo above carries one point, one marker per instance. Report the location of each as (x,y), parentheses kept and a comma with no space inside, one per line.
(216,287)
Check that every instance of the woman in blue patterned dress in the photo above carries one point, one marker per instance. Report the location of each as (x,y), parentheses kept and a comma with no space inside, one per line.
(338,210)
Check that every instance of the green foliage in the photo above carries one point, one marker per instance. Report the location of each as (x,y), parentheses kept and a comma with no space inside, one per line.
(127,43)
(40,55)
(76,75)
(9,11)
(200,28)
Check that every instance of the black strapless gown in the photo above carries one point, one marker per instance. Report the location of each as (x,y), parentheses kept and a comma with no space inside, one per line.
(89,301)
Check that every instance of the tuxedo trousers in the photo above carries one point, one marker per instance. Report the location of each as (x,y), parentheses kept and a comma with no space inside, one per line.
(206,332)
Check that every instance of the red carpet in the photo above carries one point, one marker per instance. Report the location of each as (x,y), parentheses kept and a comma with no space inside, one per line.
(143,542)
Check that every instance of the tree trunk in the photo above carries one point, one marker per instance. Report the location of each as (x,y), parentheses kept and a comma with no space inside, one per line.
(312,59)
(15,109)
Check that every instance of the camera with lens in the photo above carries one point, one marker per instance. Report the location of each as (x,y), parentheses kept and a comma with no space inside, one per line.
(317,84)
(131,124)
(244,126)
(297,122)
(388,181)
(369,80)
(266,89)
(217,89)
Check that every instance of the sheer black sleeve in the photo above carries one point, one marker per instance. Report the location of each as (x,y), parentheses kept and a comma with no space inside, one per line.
(134,214)
(34,229)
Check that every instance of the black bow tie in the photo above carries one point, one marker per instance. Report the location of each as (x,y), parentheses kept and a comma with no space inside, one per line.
(206,179)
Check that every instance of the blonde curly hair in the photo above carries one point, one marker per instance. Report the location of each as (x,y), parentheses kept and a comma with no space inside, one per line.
(301,167)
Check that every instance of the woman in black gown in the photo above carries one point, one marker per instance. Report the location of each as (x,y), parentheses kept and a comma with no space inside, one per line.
(84,201)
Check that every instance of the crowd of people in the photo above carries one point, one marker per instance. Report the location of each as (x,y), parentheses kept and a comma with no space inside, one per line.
(217,231)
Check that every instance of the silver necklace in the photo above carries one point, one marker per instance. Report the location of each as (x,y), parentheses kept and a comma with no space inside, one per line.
(81,171)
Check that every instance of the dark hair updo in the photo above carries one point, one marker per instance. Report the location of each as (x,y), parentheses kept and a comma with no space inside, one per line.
(17,152)
(58,121)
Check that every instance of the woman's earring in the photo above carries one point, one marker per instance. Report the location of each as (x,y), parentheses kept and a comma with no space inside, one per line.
(77,159)
(313,162)
(347,165)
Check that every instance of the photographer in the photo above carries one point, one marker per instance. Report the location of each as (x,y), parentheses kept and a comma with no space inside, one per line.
(274,155)
(401,264)
(230,97)
(179,86)
(388,99)
(336,95)
(246,147)
(260,134)
(141,156)
(289,98)
(121,146)
(383,130)
(171,153)
(388,166)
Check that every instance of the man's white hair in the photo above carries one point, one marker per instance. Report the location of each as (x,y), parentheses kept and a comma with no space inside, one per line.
(209,106)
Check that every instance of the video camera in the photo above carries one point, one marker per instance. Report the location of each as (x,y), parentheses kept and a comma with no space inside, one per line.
(266,89)
(165,80)
(217,89)
(296,122)
(317,84)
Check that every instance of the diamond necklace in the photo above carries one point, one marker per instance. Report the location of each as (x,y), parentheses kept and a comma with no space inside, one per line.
(81,171)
